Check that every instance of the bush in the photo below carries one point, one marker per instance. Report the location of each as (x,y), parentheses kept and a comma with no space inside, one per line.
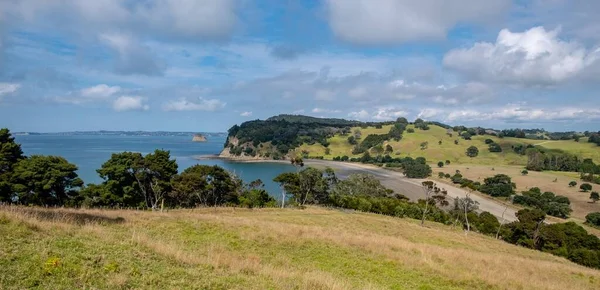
(489,141)
(447,162)
(417,170)
(440,164)
(487,223)
(472,151)
(441,174)
(593,219)
(585,187)
(524,172)
(494,147)
(498,185)
(410,130)
(573,183)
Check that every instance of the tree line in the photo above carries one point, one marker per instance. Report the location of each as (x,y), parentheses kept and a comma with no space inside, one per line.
(130,179)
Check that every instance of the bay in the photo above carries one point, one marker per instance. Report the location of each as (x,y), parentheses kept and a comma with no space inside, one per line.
(89,152)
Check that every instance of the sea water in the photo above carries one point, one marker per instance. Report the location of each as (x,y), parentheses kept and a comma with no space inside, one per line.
(89,152)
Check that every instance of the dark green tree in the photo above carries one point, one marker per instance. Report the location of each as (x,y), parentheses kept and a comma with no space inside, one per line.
(205,185)
(593,218)
(498,185)
(585,187)
(594,196)
(46,180)
(472,151)
(573,183)
(10,154)
(440,164)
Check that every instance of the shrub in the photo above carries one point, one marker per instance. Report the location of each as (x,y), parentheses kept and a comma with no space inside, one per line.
(472,151)
(524,172)
(573,183)
(594,196)
(585,187)
(494,147)
(410,130)
(489,141)
(593,219)
(440,164)
(441,174)
(447,162)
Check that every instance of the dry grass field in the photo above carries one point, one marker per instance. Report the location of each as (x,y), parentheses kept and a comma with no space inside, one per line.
(230,248)
(554,181)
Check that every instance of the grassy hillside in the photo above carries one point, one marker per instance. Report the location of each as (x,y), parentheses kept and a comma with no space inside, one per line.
(410,146)
(223,248)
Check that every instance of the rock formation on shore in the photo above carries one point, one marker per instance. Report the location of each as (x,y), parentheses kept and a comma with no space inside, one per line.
(199,138)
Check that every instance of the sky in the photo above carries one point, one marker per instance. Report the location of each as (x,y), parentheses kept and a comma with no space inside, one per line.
(205,65)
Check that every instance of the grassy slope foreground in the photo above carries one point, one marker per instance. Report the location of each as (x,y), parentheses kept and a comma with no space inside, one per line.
(222,248)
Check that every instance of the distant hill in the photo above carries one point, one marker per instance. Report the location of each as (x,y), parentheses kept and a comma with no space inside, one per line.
(328,138)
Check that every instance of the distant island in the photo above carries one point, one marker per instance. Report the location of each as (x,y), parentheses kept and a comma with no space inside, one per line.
(129,133)
(199,138)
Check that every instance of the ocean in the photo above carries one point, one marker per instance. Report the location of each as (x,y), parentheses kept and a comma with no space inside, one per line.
(89,152)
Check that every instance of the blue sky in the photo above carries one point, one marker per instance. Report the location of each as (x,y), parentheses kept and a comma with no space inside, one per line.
(204,65)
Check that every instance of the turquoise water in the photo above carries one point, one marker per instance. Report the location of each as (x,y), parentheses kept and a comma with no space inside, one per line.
(88,152)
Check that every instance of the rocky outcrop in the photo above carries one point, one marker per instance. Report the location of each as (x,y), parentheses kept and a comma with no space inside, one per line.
(199,138)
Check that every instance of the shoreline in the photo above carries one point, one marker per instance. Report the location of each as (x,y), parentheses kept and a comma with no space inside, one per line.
(394,180)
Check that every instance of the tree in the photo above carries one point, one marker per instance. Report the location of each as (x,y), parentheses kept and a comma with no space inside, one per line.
(462,208)
(447,162)
(134,180)
(417,170)
(10,154)
(388,149)
(402,120)
(489,141)
(585,187)
(524,172)
(455,142)
(327,151)
(46,180)
(424,145)
(377,149)
(410,130)
(498,185)
(594,196)
(593,218)
(472,151)
(306,186)
(494,147)
(433,195)
(440,164)
(352,140)
(207,186)
(573,183)
(360,184)
(396,132)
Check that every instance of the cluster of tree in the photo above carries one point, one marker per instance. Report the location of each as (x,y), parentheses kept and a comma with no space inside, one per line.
(412,168)
(548,202)
(521,149)
(594,138)
(499,185)
(539,159)
(493,146)
(370,142)
(361,192)
(593,219)
(420,124)
(567,240)
(130,180)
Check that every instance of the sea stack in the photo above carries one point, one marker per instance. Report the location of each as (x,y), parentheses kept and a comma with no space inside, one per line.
(199,138)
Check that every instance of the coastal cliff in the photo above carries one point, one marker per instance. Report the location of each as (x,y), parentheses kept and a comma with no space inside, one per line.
(198,138)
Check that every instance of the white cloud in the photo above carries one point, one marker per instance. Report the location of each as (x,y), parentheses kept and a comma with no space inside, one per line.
(321,110)
(96,93)
(8,88)
(130,103)
(430,114)
(519,113)
(246,114)
(201,104)
(373,22)
(100,91)
(532,57)
(183,19)
(361,115)
(388,113)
